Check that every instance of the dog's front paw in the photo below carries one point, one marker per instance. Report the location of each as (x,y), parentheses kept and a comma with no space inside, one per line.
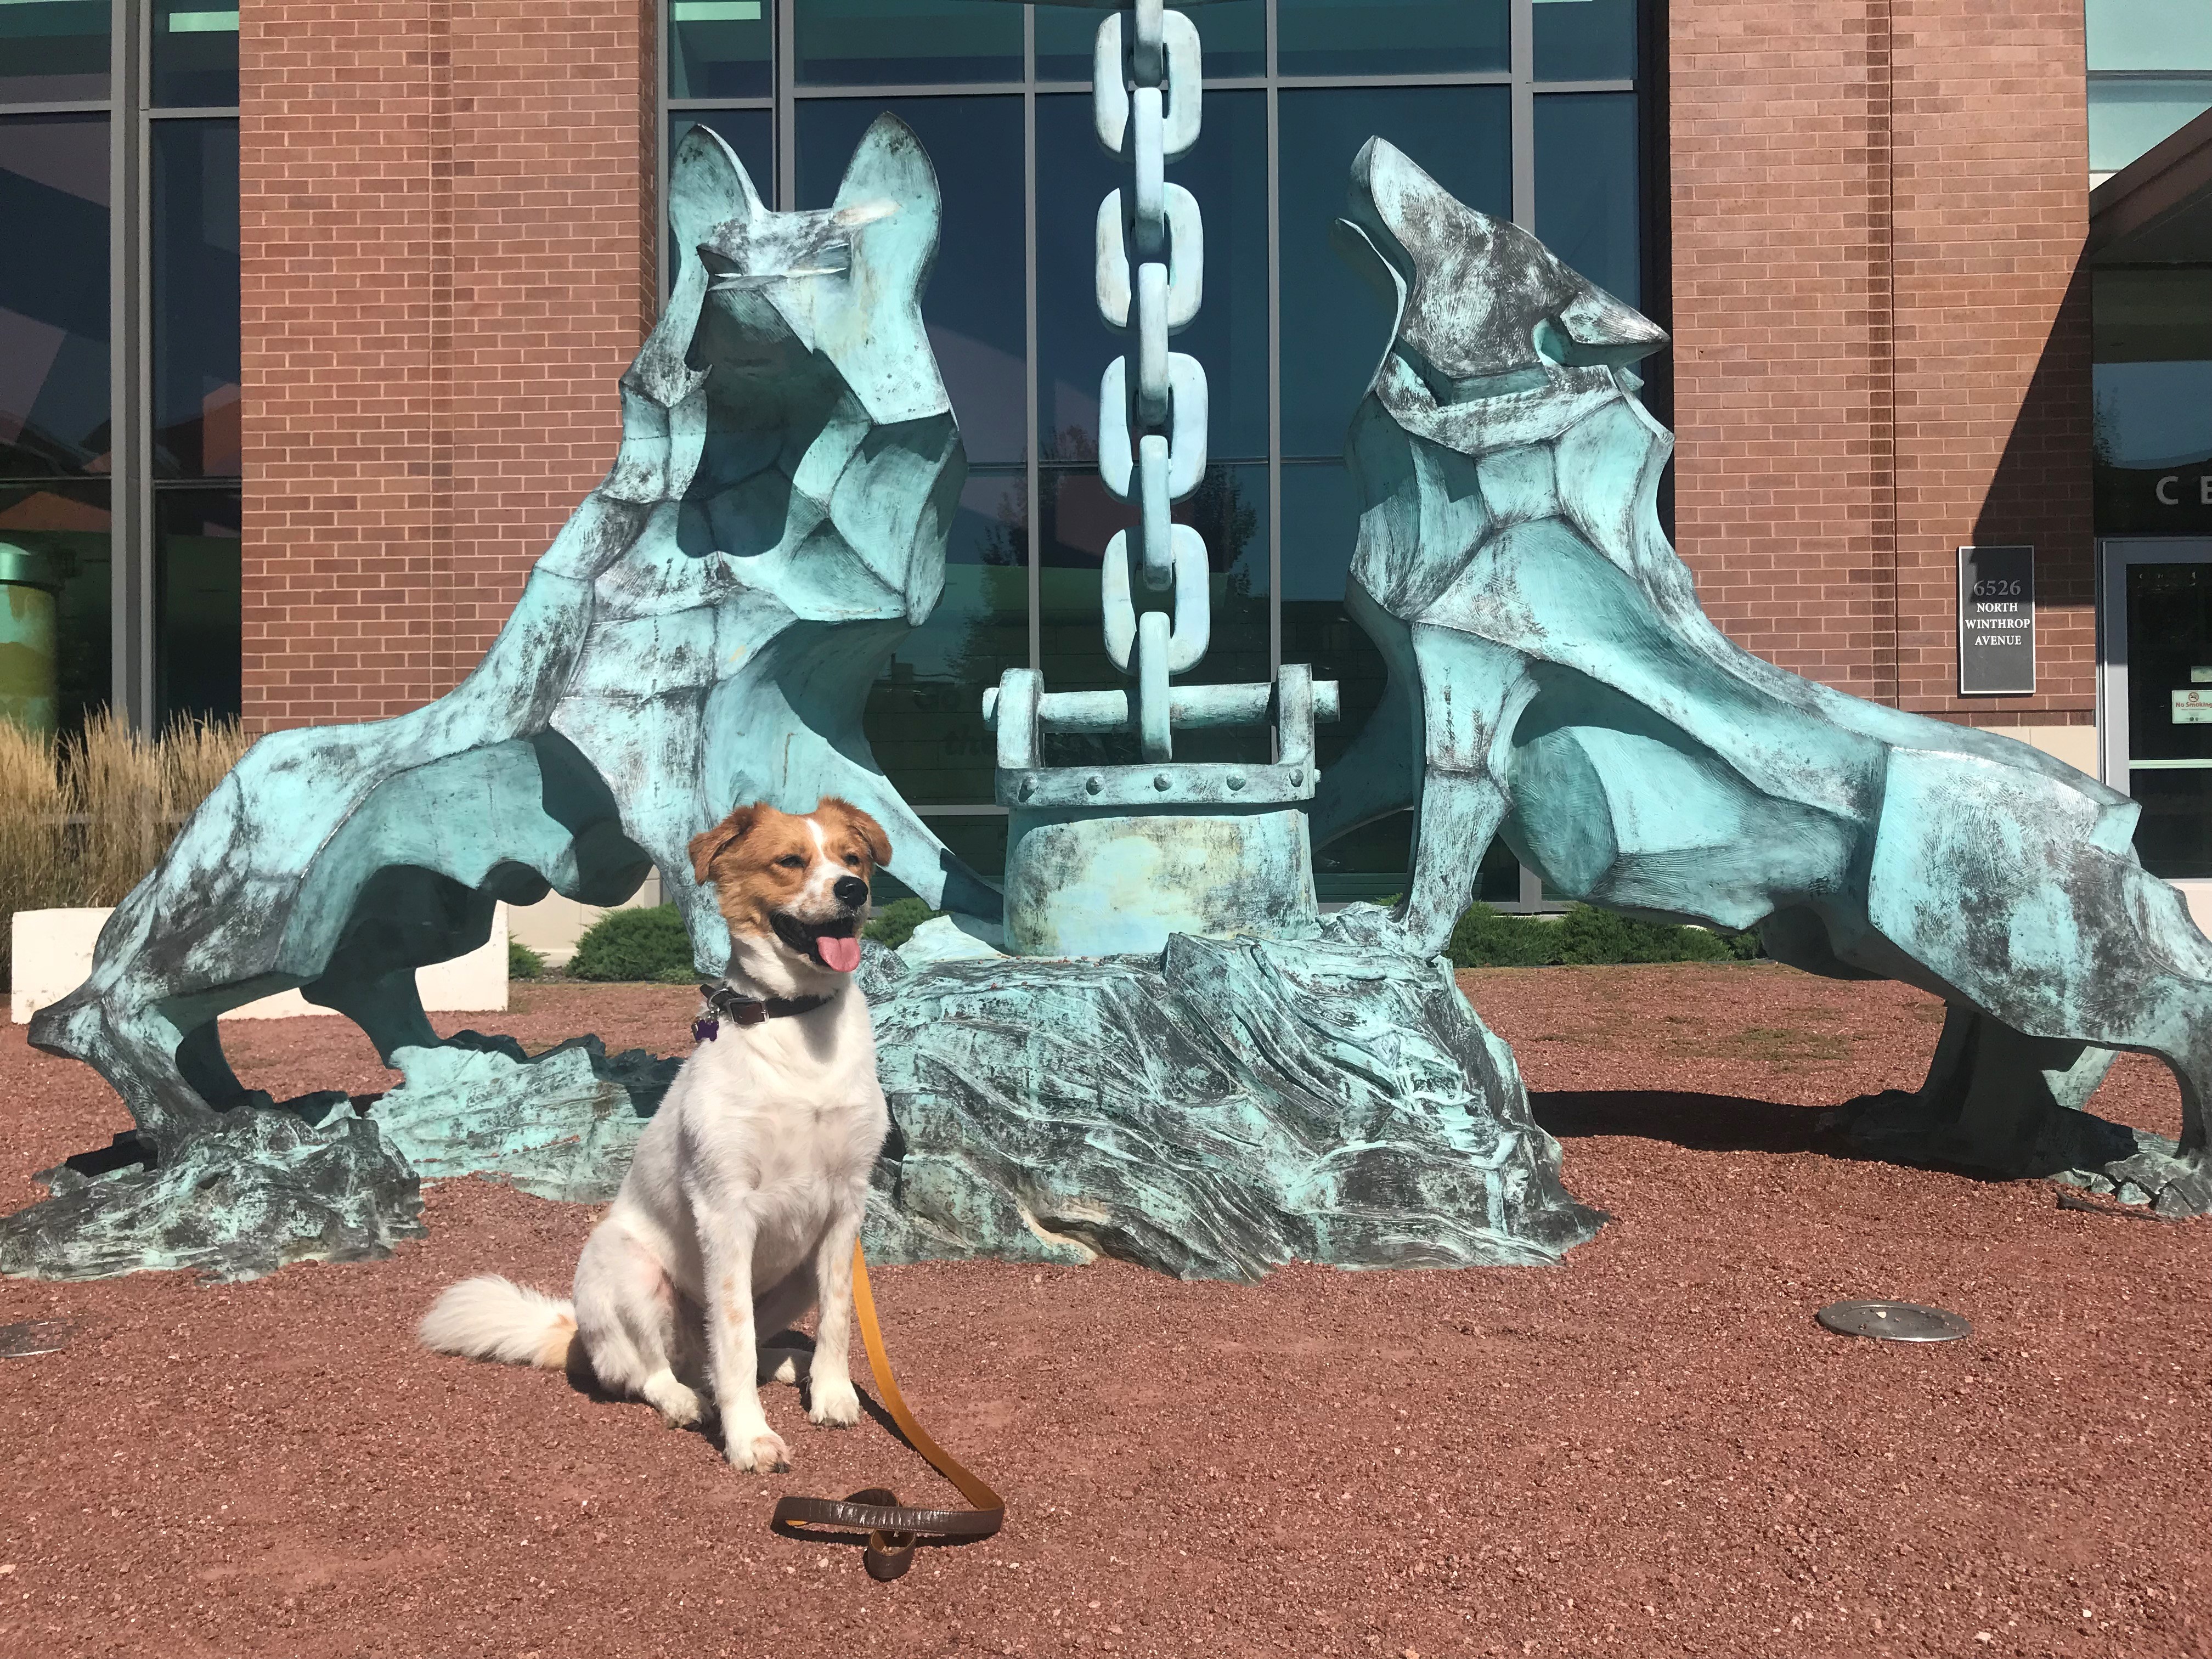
(761,1449)
(836,1403)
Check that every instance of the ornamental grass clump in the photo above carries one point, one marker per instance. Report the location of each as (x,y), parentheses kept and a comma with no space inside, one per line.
(83,819)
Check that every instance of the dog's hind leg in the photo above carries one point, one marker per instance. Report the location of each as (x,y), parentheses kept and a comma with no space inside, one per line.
(628,1317)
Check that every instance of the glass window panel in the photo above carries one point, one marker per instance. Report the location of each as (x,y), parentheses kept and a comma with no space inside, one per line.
(1335,325)
(925,713)
(55,535)
(195,55)
(2169,625)
(54,51)
(1233,36)
(751,132)
(1321,523)
(1586,200)
(1390,37)
(976,839)
(53,308)
(1585,39)
(867,43)
(2152,400)
(195,299)
(2127,118)
(1227,171)
(2149,35)
(1371,863)
(973,305)
(1229,508)
(721,48)
(198,642)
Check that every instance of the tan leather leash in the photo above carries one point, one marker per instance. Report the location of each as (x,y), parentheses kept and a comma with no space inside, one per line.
(893,1530)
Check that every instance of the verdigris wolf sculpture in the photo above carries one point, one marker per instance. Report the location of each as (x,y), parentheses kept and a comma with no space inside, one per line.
(703,631)
(1554,682)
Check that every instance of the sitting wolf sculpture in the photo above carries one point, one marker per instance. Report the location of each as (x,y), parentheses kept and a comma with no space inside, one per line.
(703,631)
(1553,681)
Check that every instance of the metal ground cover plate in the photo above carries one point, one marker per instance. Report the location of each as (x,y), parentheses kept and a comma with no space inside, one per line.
(1893,1321)
(35,1336)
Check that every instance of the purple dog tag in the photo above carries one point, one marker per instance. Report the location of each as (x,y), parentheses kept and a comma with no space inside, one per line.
(706,1029)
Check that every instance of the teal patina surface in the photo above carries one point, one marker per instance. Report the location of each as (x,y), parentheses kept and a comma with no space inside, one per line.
(704,630)
(1553,681)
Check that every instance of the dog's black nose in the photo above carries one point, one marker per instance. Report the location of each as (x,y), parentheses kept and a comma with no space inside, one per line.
(850,890)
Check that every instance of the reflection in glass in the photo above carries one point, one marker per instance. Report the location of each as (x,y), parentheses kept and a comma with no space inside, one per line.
(867,43)
(2169,646)
(1229,508)
(2153,380)
(974,305)
(1371,863)
(194,54)
(1227,171)
(58,533)
(1321,523)
(1389,36)
(925,714)
(2127,118)
(53,306)
(751,132)
(195,299)
(54,51)
(198,641)
(1585,40)
(722,49)
(1335,325)
(976,839)
(1586,200)
(2149,35)
(1234,39)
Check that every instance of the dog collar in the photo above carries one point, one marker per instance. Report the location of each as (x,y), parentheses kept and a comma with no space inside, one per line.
(724,1003)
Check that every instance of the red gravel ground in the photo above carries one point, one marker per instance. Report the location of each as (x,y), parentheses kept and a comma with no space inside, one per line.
(1651,1450)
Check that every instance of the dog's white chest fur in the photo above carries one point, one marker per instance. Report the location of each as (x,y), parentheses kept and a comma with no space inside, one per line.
(779,1123)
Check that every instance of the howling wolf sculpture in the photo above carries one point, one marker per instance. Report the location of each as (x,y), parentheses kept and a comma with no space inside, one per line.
(703,631)
(1553,681)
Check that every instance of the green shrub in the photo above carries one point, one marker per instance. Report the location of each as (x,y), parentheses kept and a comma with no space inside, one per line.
(1585,937)
(1591,937)
(638,944)
(895,923)
(1494,938)
(523,963)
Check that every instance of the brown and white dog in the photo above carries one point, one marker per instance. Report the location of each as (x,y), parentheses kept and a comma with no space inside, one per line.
(740,1211)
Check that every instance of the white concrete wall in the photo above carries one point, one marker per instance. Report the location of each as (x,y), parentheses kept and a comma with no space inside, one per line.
(52,954)
(553,925)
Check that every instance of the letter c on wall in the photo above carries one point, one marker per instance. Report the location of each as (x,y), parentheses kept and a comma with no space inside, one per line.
(2163,485)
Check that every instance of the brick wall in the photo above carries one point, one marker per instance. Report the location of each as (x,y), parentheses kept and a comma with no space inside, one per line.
(1882,349)
(446,261)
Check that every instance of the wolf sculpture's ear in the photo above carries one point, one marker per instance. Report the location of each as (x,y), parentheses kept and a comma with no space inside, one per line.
(710,844)
(889,179)
(707,186)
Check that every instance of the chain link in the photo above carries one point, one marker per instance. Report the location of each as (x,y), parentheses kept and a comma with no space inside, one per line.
(1152,261)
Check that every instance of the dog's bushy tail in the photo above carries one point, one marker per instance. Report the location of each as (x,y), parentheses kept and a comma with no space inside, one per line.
(493,1318)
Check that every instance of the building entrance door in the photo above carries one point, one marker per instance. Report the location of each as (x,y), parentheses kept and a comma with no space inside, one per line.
(2156,627)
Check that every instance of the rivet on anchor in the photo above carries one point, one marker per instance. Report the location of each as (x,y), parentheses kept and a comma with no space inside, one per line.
(1159,780)
(1094,783)
(1236,780)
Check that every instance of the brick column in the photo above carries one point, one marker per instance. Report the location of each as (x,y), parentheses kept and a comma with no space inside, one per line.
(1881,345)
(446,256)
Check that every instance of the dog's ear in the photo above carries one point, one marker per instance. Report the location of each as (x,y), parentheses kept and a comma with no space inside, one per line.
(710,844)
(879,844)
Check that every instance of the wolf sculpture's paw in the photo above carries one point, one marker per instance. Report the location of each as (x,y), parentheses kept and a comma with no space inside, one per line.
(762,1449)
(837,1404)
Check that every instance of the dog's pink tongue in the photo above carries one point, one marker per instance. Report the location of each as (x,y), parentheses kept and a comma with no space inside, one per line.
(839,954)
